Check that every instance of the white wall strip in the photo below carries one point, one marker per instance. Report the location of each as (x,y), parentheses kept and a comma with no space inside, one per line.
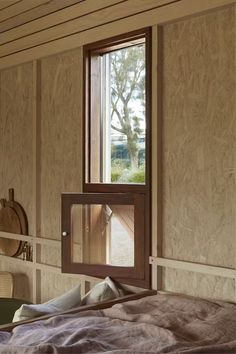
(193,267)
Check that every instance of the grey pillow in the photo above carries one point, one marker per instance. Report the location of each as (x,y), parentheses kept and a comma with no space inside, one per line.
(106,290)
(64,302)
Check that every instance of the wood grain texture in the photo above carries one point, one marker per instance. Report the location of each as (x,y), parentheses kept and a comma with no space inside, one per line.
(7,3)
(81,23)
(20,7)
(61,149)
(159,15)
(55,18)
(16,158)
(9,222)
(23,11)
(200,145)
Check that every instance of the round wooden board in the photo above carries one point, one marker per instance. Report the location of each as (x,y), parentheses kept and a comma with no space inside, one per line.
(13,220)
(9,222)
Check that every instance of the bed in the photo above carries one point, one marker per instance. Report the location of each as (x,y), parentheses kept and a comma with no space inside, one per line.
(145,323)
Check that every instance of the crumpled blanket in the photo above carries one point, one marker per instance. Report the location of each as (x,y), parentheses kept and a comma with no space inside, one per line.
(163,323)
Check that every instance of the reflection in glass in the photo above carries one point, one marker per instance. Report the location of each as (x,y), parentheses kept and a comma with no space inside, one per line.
(103,234)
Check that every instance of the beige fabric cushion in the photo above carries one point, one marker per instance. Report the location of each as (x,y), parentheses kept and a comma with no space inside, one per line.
(64,302)
(106,290)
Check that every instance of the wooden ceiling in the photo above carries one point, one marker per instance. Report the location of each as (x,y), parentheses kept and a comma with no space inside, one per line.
(14,13)
(33,29)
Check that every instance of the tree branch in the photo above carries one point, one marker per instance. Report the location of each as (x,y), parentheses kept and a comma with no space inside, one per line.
(117,129)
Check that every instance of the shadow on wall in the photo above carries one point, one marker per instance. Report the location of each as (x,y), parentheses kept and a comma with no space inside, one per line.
(21,288)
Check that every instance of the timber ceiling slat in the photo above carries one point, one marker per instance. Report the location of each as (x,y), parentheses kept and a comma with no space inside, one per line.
(64,15)
(20,7)
(80,24)
(7,3)
(159,16)
(34,12)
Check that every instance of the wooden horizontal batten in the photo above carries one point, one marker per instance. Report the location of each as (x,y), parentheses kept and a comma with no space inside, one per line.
(16,261)
(20,7)
(28,264)
(19,17)
(31,239)
(193,267)
(159,15)
(83,23)
(46,267)
(19,237)
(59,17)
(7,3)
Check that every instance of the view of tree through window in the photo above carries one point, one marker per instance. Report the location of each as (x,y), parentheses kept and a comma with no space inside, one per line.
(124,88)
(117,80)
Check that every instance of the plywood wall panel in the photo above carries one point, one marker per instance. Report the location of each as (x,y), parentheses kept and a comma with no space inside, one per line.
(51,255)
(200,285)
(61,148)
(61,155)
(16,146)
(54,285)
(199,151)
(200,140)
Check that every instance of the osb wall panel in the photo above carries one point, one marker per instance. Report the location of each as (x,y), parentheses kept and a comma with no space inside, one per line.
(199,136)
(61,141)
(196,284)
(61,154)
(16,146)
(54,285)
(51,255)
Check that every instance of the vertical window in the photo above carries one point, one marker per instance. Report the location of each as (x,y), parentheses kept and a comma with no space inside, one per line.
(117,111)
(108,226)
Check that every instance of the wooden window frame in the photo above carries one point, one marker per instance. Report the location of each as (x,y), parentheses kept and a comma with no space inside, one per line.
(139,275)
(104,47)
(131,274)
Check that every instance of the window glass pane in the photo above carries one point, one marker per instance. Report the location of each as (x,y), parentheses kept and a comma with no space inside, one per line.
(122,130)
(103,234)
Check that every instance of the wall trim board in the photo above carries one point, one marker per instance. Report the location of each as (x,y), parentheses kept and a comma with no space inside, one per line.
(40,266)
(31,239)
(12,236)
(154,115)
(157,234)
(34,266)
(56,18)
(82,23)
(161,15)
(36,135)
(193,267)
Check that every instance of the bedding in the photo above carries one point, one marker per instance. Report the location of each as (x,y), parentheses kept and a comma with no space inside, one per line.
(64,302)
(103,291)
(163,323)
